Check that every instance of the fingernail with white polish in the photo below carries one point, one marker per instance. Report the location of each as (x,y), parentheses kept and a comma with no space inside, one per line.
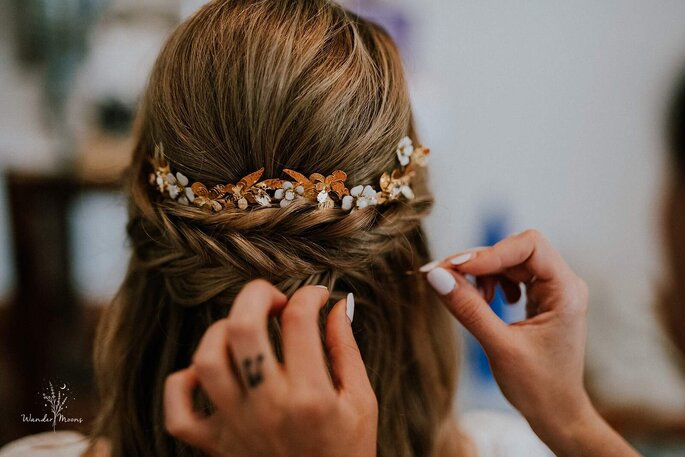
(349,308)
(442,281)
(429,266)
(462,258)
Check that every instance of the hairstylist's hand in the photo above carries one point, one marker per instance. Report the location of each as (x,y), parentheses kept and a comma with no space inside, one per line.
(538,362)
(265,408)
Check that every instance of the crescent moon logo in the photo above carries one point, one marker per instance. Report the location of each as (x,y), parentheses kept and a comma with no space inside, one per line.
(63,387)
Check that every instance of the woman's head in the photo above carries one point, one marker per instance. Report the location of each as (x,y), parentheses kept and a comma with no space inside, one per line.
(301,85)
(305,85)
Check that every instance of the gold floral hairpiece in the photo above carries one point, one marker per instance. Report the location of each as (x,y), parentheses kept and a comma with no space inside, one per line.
(327,191)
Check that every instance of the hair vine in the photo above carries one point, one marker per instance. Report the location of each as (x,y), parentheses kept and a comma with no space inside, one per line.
(327,191)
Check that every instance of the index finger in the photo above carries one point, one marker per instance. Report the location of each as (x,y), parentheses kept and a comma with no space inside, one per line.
(524,257)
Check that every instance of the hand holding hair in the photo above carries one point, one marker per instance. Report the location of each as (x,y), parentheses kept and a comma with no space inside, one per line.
(263,407)
(538,362)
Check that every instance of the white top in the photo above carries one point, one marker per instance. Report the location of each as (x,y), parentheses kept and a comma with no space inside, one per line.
(500,434)
(47,444)
(495,434)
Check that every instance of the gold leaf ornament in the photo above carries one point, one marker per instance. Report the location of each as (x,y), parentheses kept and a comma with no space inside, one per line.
(309,190)
(335,182)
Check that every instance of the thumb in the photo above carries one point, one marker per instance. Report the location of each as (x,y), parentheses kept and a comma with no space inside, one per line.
(467,305)
(348,367)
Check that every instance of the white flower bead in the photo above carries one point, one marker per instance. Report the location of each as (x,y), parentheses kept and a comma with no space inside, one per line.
(160,181)
(299,190)
(356,191)
(170,179)
(369,192)
(189,194)
(366,196)
(289,195)
(263,200)
(285,203)
(405,143)
(405,148)
(278,195)
(287,185)
(181,178)
(173,191)
(322,196)
(183,200)
(407,192)
(347,202)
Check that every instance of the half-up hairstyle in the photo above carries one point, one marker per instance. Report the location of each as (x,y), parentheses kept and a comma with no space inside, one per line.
(299,84)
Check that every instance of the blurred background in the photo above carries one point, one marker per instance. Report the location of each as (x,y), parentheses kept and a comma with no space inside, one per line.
(544,114)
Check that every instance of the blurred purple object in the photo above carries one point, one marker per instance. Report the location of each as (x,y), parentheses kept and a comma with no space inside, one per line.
(392,18)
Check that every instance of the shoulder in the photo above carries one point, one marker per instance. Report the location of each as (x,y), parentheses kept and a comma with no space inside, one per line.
(47,444)
(501,434)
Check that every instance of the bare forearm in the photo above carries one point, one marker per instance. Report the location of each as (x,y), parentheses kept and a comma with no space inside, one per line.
(589,436)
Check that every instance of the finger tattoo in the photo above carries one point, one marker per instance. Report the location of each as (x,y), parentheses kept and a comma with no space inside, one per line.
(253,370)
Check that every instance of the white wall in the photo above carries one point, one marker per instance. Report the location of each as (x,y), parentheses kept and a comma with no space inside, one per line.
(553,110)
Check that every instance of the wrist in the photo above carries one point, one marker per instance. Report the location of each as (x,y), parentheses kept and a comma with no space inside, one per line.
(580,432)
(565,433)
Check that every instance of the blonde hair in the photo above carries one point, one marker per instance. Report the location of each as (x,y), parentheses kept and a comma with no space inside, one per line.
(304,85)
